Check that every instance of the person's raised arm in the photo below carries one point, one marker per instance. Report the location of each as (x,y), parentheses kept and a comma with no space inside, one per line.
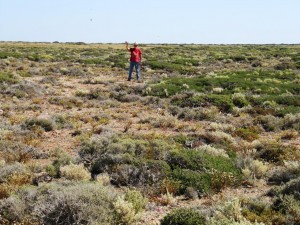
(126,45)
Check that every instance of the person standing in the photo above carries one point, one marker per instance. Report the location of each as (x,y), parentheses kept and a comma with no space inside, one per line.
(135,60)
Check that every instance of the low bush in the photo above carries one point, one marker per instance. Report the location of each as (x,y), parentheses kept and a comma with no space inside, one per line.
(292,188)
(239,100)
(125,213)
(219,137)
(26,89)
(285,174)
(186,216)
(66,102)
(140,173)
(213,151)
(17,151)
(97,93)
(61,159)
(137,199)
(252,169)
(186,159)
(257,211)
(45,124)
(277,152)
(8,78)
(291,121)
(10,169)
(249,133)
(12,177)
(289,206)
(199,113)
(269,122)
(201,182)
(62,203)
(229,213)
(91,149)
(75,172)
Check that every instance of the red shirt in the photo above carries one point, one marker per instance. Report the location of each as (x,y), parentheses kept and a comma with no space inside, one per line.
(136,54)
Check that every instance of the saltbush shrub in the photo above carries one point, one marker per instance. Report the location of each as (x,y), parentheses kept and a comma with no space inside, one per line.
(62,203)
(239,100)
(285,174)
(125,213)
(292,188)
(137,199)
(186,159)
(249,133)
(269,122)
(75,172)
(10,169)
(61,159)
(66,102)
(291,121)
(260,212)
(45,124)
(16,152)
(201,182)
(186,216)
(91,149)
(289,206)
(271,152)
(8,78)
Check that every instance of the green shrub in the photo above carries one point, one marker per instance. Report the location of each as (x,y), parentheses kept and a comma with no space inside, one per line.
(15,151)
(61,159)
(257,211)
(4,55)
(75,172)
(249,133)
(186,159)
(62,203)
(290,109)
(61,122)
(292,188)
(52,170)
(221,163)
(283,175)
(127,170)
(91,149)
(183,216)
(46,124)
(289,206)
(137,199)
(7,78)
(189,178)
(291,121)
(97,61)
(66,102)
(239,100)
(223,102)
(125,212)
(203,171)
(189,101)
(170,67)
(269,122)
(271,152)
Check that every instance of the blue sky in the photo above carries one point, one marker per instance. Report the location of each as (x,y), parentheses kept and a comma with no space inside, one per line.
(155,21)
